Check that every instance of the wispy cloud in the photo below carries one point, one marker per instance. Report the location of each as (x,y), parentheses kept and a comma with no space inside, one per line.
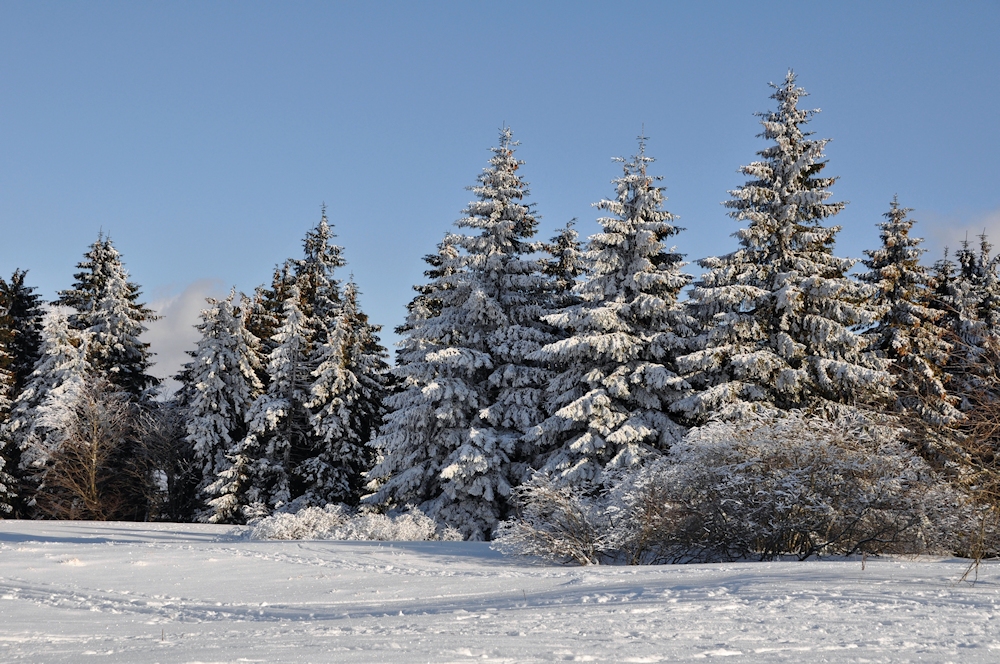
(950,230)
(174,334)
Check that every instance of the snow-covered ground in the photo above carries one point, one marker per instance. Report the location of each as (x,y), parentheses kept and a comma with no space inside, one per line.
(116,592)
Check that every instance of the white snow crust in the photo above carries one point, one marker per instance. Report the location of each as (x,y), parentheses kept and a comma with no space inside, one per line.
(127,592)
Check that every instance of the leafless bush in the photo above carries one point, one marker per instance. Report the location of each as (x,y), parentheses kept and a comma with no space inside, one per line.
(165,459)
(967,455)
(92,473)
(556,523)
(790,485)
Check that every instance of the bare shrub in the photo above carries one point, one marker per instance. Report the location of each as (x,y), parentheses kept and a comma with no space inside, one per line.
(165,460)
(967,452)
(92,473)
(555,523)
(790,485)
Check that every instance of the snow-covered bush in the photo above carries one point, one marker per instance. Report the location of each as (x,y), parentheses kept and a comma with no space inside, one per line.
(338,522)
(757,489)
(556,522)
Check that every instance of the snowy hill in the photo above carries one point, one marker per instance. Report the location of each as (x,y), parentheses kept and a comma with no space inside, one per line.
(126,592)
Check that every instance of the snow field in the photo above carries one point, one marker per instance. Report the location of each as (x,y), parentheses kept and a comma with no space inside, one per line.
(125,592)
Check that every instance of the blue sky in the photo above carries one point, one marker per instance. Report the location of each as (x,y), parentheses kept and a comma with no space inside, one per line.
(205,136)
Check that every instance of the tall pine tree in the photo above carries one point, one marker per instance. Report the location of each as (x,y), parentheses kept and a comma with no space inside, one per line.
(610,402)
(345,404)
(907,332)
(278,426)
(468,393)
(221,383)
(780,312)
(107,305)
(20,348)
(21,323)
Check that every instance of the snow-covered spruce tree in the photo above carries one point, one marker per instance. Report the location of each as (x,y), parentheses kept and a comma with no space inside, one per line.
(413,440)
(221,383)
(20,315)
(409,446)
(8,452)
(40,414)
(779,313)
(907,332)
(22,325)
(107,306)
(426,304)
(346,406)
(609,403)
(566,266)
(467,393)
(966,292)
(319,290)
(278,422)
(348,363)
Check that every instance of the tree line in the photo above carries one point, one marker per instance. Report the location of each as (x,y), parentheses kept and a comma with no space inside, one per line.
(523,365)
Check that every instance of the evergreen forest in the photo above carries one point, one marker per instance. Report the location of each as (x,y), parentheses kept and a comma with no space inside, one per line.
(584,399)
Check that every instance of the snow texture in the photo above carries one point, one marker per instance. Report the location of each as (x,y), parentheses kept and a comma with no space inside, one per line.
(339,522)
(136,593)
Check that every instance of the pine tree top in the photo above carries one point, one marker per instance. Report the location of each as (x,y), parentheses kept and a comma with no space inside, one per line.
(628,257)
(314,272)
(785,201)
(499,210)
(101,262)
(781,312)
(567,264)
(107,305)
(895,266)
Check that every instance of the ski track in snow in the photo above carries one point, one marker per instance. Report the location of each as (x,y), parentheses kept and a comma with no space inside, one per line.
(114,592)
